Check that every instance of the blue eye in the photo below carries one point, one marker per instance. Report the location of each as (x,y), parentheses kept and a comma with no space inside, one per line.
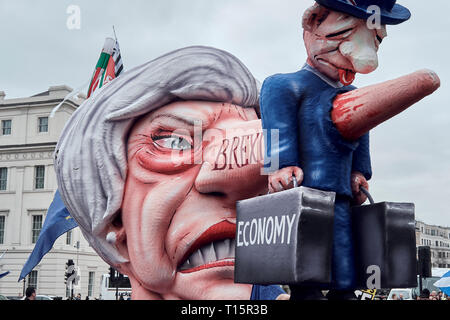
(173,142)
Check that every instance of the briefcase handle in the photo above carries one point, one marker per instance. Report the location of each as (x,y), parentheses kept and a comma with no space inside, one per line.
(294,179)
(369,196)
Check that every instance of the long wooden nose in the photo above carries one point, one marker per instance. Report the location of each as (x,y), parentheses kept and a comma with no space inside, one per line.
(357,112)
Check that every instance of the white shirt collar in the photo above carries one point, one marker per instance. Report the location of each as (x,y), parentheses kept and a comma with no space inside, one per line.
(335,84)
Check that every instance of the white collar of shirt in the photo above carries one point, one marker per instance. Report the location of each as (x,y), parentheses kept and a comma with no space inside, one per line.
(334,84)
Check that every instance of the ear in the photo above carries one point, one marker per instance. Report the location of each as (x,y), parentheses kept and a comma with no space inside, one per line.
(310,16)
(116,236)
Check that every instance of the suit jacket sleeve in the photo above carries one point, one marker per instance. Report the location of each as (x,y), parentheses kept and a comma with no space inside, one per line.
(279,99)
(361,157)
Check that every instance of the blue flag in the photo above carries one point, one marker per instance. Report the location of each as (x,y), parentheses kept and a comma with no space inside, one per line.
(444,283)
(57,222)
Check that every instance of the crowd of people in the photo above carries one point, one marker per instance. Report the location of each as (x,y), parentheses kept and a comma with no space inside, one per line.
(433,295)
(425,295)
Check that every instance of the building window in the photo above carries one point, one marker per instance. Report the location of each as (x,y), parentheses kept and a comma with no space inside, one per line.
(39,177)
(91,284)
(2,229)
(433,232)
(69,237)
(36,228)
(43,124)
(32,279)
(3,179)
(6,127)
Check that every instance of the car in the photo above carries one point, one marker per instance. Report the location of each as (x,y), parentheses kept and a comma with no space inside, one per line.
(3,297)
(40,297)
(407,294)
(14,297)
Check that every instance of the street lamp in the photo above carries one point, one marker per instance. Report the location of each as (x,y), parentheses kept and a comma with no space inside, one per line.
(77,245)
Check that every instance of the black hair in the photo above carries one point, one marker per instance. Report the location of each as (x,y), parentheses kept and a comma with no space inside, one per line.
(30,291)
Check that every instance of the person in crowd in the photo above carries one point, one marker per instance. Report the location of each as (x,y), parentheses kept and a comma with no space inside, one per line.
(434,295)
(30,293)
(425,295)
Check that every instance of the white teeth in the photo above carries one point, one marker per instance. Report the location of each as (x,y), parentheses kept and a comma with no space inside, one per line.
(223,248)
(232,249)
(211,252)
(196,258)
(208,253)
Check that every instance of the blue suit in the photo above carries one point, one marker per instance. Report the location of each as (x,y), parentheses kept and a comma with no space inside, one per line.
(299,105)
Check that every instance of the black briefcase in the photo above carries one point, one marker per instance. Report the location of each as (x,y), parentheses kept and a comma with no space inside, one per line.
(385,241)
(285,238)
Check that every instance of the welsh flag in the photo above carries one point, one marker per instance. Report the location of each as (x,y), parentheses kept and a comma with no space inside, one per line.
(109,66)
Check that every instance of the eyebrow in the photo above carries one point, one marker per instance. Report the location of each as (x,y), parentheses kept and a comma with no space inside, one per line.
(187,121)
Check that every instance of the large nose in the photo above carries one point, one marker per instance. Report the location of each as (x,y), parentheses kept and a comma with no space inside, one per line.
(361,50)
(232,162)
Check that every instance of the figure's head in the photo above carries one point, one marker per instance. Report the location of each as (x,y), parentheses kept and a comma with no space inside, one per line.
(151,168)
(340,45)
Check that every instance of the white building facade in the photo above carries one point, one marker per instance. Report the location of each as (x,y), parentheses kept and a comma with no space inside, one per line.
(438,239)
(28,138)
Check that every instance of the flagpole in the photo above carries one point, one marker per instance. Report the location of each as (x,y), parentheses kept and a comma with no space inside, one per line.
(114,30)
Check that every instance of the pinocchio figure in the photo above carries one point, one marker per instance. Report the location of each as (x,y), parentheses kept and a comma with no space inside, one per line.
(324,121)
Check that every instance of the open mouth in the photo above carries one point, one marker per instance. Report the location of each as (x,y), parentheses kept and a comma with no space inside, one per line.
(346,76)
(214,248)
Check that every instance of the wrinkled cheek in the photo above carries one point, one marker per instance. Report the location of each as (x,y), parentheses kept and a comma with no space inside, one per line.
(317,45)
(142,248)
(147,212)
(172,161)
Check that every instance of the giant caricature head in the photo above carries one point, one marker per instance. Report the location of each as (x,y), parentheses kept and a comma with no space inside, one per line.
(340,45)
(137,167)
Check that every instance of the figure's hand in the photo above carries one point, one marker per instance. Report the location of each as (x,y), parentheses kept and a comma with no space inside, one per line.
(358,180)
(283,179)
(284,297)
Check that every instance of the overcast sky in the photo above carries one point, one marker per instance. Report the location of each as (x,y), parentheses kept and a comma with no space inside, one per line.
(409,153)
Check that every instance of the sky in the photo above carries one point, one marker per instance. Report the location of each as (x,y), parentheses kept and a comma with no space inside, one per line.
(410,153)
